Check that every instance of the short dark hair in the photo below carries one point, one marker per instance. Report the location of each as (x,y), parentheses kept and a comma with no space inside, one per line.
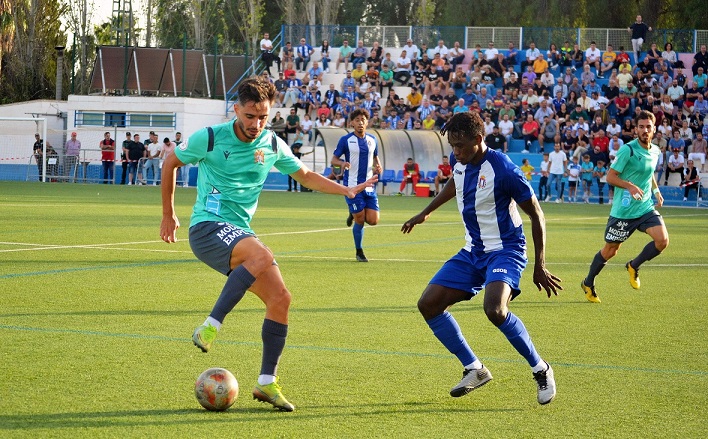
(464,124)
(256,90)
(645,115)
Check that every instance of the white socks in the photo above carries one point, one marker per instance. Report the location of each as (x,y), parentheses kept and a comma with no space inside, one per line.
(213,322)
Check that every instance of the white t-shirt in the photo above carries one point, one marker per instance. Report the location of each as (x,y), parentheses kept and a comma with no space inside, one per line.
(154,150)
(404,62)
(412,52)
(613,129)
(266,43)
(557,160)
(488,128)
(490,54)
(592,55)
(306,125)
(506,127)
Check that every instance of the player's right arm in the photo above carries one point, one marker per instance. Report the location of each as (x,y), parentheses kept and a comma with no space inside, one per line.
(170,223)
(446,194)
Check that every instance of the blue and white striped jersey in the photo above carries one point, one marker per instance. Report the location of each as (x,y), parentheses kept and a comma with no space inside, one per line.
(359,153)
(487,194)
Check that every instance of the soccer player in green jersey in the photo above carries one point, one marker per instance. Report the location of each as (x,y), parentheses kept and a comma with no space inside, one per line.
(632,175)
(234,160)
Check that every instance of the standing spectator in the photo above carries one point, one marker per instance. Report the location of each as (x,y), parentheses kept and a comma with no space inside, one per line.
(108,156)
(152,154)
(345,55)
(267,53)
(124,157)
(543,194)
(586,171)
(303,54)
(72,149)
(574,170)
(639,31)
(136,151)
(38,154)
(557,163)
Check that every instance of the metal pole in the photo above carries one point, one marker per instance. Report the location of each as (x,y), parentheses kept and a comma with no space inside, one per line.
(213,80)
(184,60)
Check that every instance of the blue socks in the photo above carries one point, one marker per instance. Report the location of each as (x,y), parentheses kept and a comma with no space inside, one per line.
(273,335)
(358,231)
(446,329)
(238,282)
(518,336)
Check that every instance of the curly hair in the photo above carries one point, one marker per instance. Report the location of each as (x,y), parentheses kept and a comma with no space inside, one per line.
(359,112)
(467,124)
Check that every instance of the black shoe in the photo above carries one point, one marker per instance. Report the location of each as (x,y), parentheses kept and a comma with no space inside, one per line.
(360,256)
(350,220)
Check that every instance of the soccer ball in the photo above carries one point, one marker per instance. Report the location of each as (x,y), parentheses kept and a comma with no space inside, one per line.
(216,389)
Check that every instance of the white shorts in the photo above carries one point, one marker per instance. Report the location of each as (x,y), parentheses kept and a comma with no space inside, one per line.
(697,155)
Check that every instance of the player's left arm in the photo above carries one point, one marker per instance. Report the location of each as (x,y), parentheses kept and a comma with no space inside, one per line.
(317,182)
(542,278)
(657,193)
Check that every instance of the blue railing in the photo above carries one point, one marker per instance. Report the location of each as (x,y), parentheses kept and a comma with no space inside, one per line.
(255,68)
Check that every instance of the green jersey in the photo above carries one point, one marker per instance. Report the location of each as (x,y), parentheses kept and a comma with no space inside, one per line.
(232,174)
(637,165)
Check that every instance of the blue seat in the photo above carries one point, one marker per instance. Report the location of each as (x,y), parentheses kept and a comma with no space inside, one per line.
(386,177)
(399,176)
(327,171)
(430,176)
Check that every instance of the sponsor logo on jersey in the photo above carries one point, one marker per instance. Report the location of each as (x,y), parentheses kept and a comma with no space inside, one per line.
(227,154)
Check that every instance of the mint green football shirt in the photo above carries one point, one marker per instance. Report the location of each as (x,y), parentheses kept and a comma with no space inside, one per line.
(231,176)
(637,165)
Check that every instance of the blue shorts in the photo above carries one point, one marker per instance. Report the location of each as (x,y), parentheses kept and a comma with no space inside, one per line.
(363,200)
(470,272)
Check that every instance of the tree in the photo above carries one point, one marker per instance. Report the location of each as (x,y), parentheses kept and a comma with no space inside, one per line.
(247,15)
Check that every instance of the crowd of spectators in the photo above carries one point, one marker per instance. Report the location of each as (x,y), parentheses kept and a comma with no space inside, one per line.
(583,99)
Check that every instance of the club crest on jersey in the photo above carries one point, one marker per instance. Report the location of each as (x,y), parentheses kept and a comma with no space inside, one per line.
(482,182)
(259,157)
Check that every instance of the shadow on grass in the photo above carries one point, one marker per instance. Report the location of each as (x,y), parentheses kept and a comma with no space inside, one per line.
(164,417)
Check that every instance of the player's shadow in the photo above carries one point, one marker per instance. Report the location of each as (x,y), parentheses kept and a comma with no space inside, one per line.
(198,416)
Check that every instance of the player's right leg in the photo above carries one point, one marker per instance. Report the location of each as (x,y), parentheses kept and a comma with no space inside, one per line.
(451,284)
(235,253)
(271,289)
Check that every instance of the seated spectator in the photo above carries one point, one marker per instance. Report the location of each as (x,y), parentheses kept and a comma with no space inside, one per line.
(531,54)
(690,179)
(553,57)
(530,131)
(700,60)
(375,57)
(411,174)
(593,57)
(387,61)
(345,54)
(359,71)
(699,147)
(303,54)
(315,73)
(512,54)
(359,54)
(456,55)
(287,54)
(609,61)
(674,165)
(403,65)
(444,173)
(577,58)
(324,55)
(443,113)
(670,56)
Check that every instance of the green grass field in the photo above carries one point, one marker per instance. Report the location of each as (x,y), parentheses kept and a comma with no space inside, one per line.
(97,313)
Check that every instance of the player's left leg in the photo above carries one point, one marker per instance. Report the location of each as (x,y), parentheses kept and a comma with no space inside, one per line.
(271,289)
(655,228)
(496,300)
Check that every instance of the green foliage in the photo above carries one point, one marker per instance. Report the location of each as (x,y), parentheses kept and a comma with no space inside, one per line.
(97,315)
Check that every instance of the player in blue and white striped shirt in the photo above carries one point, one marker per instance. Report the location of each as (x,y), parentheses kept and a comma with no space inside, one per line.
(487,187)
(357,153)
